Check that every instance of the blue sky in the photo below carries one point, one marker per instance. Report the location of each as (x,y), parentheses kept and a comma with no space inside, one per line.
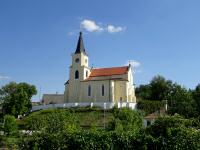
(37,38)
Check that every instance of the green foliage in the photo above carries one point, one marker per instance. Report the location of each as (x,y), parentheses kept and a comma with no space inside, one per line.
(173,133)
(158,88)
(126,119)
(149,106)
(52,121)
(8,142)
(91,119)
(57,129)
(183,138)
(180,101)
(84,140)
(16,98)
(196,96)
(143,92)
(161,125)
(124,131)
(10,125)
(70,118)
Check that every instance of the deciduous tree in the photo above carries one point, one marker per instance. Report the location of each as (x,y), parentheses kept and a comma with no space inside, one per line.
(16,98)
(196,95)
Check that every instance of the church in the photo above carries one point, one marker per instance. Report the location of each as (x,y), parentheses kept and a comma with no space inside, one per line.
(86,84)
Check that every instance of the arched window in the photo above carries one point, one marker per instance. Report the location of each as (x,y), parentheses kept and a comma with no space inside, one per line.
(77,60)
(76,74)
(89,90)
(86,74)
(102,90)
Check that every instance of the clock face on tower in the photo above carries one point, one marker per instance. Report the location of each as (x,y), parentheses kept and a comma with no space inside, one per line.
(77,60)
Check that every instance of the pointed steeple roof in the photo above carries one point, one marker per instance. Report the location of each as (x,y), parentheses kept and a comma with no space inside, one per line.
(80,46)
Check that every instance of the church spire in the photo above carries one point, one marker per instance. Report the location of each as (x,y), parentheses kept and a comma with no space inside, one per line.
(80,46)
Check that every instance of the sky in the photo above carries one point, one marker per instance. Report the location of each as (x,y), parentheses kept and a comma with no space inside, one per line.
(158,37)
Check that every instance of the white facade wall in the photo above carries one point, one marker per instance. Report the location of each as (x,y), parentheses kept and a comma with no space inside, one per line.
(96,91)
(117,88)
(74,87)
(120,91)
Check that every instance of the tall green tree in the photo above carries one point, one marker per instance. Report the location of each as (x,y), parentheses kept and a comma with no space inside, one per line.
(160,87)
(143,92)
(157,89)
(180,101)
(196,95)
(16,98)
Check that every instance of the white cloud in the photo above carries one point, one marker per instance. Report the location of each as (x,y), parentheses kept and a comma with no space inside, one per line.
(113,29)
(91,26)
(4,77)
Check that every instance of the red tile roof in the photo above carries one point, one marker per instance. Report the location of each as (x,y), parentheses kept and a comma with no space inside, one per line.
(97,79)
(109,71)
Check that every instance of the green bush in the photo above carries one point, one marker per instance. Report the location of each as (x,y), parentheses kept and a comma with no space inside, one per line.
(85,118)
(10,125)
(125,131)
(52,120)
(149,106)
(84,140)
(173,133)
(125,119)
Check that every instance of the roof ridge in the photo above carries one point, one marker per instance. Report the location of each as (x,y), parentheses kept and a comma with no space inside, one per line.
(109,71)
(110,67)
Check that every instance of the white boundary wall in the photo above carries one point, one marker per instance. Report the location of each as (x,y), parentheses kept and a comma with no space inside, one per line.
(98,104)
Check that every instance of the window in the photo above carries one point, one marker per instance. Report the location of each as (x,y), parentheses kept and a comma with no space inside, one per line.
(86,74)
(89,90)
(148,123)
(86,61)
(77,60)
(120,99)
(76,74)
(102,90)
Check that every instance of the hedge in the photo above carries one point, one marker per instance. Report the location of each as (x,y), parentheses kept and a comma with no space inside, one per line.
(149,106)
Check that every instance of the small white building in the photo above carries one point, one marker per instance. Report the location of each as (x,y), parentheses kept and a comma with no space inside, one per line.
(86,84)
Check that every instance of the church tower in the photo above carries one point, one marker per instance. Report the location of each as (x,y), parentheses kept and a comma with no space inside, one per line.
(79,71)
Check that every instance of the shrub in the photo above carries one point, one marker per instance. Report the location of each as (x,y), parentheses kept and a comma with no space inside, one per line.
(173,133)
(84,140)
(10,125)
(52,121)
(149,106)
(126,119)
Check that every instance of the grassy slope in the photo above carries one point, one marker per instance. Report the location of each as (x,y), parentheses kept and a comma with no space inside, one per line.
(87,117)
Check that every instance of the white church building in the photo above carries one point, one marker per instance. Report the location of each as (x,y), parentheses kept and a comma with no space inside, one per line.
(92,86)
